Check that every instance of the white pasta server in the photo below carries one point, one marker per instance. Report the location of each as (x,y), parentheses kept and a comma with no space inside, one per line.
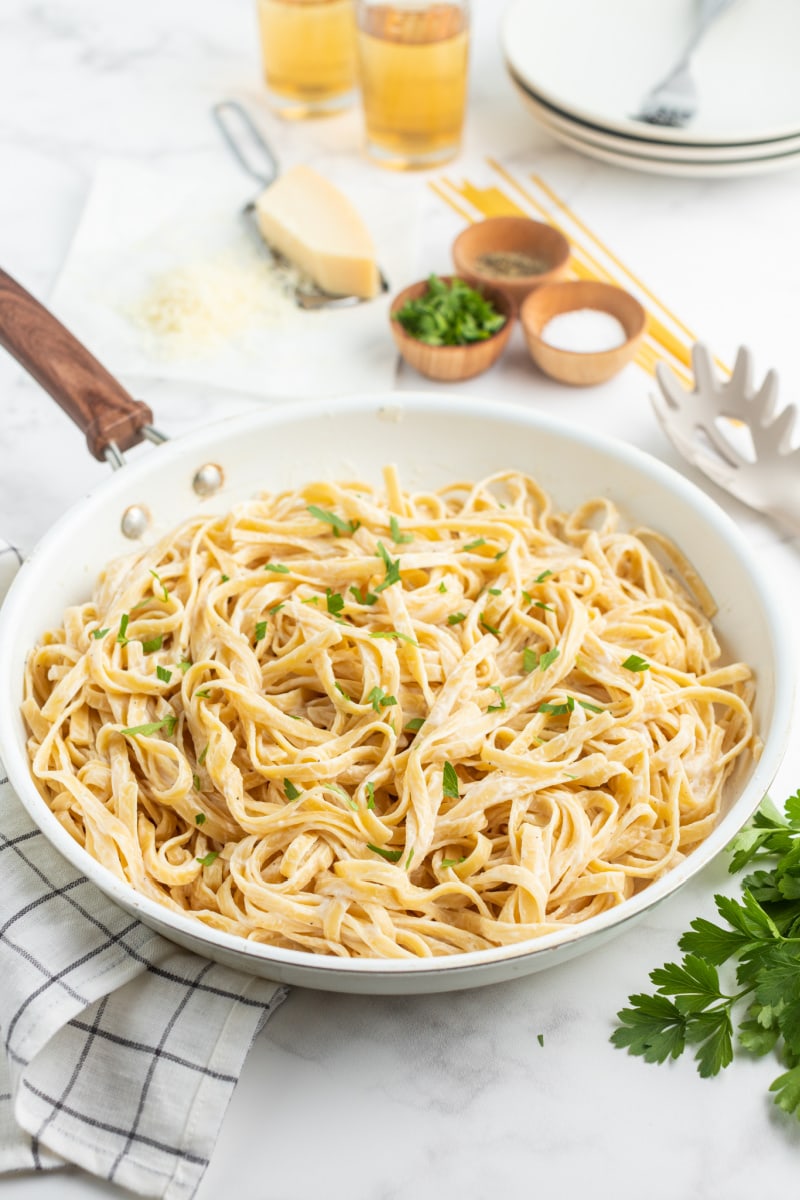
(735,434)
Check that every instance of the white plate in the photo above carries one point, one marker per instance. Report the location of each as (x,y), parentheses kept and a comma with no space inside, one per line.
(432,438)
(683,168)
(596,61)
(554,119)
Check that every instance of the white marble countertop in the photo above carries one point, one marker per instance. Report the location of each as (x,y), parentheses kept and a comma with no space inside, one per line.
(440,1096)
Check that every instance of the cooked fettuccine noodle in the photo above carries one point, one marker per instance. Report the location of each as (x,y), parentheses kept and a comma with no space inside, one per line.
(376,724)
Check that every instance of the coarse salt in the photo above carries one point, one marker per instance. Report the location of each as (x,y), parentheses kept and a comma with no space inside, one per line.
(584,331)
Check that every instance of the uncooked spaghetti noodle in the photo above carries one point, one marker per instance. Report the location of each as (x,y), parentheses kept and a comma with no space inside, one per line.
(376,724)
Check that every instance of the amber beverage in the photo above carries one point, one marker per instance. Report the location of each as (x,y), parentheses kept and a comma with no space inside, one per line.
(309,53)
(413,68)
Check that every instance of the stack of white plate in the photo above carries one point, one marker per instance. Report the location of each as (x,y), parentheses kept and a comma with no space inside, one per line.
(583,67)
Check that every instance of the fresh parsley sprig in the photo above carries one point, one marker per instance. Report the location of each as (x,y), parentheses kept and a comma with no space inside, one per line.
(760,933)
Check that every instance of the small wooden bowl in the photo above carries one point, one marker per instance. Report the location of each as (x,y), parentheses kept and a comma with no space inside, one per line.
(571,366)
(508,234)
(449,364)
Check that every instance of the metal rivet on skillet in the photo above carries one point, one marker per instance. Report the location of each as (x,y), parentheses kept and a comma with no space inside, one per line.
(208,479)
(135,520)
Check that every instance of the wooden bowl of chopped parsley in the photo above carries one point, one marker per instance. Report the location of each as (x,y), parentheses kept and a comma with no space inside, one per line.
(448,330)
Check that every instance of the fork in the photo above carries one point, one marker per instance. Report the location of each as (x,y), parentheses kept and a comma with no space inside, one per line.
(709,425)
(674,100)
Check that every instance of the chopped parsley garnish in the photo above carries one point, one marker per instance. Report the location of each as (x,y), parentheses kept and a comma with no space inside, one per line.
(450,782)
(540,1038)
(634,663)
(161,584)
(261,630)
(204,694)
(527,597)
(568,707)
(415,724)
(341,691)
(541,604)
(389,855)
(363,596)
(394,633)
(203,754)
(450,314)
(184,665)
(495,591)
(500,554)
(334,601)
(276,608)
(489,628)
(225,578)
(495,687)
(196,782)
(392,569)
(208,859)
(474,545)
(199,818)
(442,587)
(123,629)
(544,575)
(380,699)
(278,568)
(163,674)
(370,795)
(454,862)
(152,644)
(530,660)
(340,527)
(456,618)
(290,791)
(98,633)
(410,856)
(397,537)
(168,725)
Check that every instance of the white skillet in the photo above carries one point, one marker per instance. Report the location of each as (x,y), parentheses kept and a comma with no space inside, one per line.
(433,438)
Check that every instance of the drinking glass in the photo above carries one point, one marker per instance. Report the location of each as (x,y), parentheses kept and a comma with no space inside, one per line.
(308,49)
(412,59)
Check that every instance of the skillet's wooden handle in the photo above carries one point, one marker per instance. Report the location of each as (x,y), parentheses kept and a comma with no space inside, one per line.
(95,401)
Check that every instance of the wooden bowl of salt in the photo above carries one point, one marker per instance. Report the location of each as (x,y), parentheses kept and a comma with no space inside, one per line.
(582,332)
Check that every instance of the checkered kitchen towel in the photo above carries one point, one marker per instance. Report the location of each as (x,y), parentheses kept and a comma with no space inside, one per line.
(121,1051)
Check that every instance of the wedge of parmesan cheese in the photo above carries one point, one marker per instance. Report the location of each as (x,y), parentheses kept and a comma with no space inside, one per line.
(304,217)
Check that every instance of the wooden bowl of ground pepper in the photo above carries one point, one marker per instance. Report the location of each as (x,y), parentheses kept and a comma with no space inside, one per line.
(514,254)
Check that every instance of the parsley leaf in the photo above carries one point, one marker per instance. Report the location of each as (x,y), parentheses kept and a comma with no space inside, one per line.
(261,630)
(693,1006)
(208,859)
(290,791)
(544,575)
(363,596)
(456,618)
(394,633)
(474,545)
(380,699)
(153,644)
(450,782)
(414,725)
(495,687)
(168,725)
(634,663)
(278,568)
(489,628)
(98,633)
(392,569)
(334,601)
(161,584)
(199,818)
(163,674)
(390,855)
(370,795)
(397,537)
(123,629)
(340,527)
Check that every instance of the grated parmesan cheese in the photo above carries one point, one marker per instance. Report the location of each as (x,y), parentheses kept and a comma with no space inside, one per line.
(200,306)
